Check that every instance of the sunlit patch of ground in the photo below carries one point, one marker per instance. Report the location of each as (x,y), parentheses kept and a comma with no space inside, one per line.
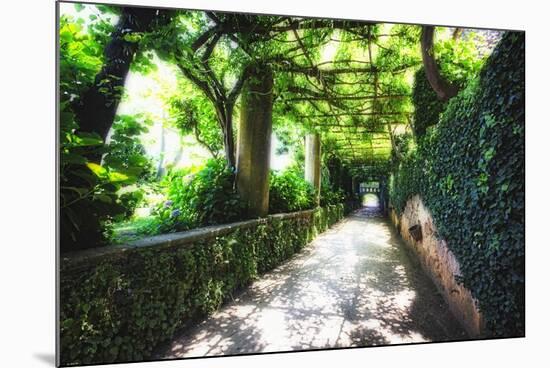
(353,286)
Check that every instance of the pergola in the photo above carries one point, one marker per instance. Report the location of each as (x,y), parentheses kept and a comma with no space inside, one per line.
(354,99)
(347,83)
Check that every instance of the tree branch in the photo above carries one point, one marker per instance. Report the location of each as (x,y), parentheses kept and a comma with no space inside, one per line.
(236,90)
(203,142)
(442,88)
(202,39)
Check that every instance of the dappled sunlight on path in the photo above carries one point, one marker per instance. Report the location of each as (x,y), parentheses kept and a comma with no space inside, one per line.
(355,285)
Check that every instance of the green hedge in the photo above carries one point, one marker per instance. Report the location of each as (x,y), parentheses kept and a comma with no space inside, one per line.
(118,305)
(470,172)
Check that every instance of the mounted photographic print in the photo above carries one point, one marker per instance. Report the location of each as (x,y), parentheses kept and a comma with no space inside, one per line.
(234,183)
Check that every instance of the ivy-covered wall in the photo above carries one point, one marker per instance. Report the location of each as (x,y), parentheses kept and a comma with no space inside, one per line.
(427,107)
(458,63)
(470,172)
(119,304)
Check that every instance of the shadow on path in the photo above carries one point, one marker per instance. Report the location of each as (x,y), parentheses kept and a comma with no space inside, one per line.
(354,285)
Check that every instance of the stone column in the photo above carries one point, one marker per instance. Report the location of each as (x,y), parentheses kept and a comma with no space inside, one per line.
(313,163)
(254,142)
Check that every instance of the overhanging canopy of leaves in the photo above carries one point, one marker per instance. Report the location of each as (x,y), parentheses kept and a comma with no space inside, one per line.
(350,81)
(347,80)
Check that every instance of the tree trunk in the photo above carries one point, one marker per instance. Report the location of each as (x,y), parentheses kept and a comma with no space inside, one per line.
(224,112)
(442,88)
(97,107)
(255,142)
(229,141)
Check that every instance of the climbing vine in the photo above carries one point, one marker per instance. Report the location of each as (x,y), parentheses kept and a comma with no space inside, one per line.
(470,170)
(459,62)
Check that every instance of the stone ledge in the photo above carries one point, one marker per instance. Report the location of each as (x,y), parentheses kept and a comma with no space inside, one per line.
(181,238)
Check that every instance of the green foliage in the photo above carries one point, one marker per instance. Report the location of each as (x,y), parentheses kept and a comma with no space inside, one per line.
(331,196)
(120,306)
(125,152)
(459,62)
(334,182)
(289,192)
(93,195)
(195,115)
(89,197)
(470,173)
(206,197)
(127,156)
(88,191)
(81,54)
(404,144)
(427,107)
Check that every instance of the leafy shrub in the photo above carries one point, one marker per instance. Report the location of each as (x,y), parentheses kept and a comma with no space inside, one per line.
(427,107)
(88,191)
(330,195)
(127,155)
(470,173)
(90,198)
(289,192)
(80,190)
(121,305)
(204,198)
(125,152)
(404,143)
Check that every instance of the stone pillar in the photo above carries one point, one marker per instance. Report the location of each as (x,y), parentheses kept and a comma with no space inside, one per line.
(313,163)
(254,143)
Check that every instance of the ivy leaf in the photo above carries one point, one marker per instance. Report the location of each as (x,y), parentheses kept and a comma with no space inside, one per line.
(98,170)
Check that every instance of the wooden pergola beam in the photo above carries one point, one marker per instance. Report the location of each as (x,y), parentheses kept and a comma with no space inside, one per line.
(367,126)
(356,132)
(364,149)
(314,70)
(357,140)
(389,113)
(309,98)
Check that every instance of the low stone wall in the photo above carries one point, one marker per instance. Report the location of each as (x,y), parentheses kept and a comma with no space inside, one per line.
(117,303)
(439,262)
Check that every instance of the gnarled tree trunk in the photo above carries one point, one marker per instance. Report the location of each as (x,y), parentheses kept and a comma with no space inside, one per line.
(97,107)
(442,87)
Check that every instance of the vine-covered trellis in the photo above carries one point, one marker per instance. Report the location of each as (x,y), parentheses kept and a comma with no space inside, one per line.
(366,95)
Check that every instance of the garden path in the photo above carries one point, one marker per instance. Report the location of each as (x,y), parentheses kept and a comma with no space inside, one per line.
(354,285)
